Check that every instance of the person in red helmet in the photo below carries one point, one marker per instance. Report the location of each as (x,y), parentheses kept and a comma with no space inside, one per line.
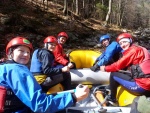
(13,44)
(42,63)
(21,93)
(61,59)
(137,60)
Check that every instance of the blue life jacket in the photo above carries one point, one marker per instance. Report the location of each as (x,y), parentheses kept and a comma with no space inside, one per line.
(36,66)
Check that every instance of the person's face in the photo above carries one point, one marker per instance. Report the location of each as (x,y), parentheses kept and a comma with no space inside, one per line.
(105,42)
(62,40)
(124,45)
(21,55)
(51,46)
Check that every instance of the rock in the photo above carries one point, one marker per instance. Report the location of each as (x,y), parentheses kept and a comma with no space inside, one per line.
(4,19)
(124,30)
(137,32)
(98,45)
(147,30)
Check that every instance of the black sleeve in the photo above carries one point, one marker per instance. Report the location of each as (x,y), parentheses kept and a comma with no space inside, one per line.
(47,58)
(74,98)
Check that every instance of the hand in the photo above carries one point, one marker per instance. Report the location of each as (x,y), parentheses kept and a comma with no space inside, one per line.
(65,69)
(102,68)
(2,60)
(81,92)
(70,65)
(94,68)
(67,55)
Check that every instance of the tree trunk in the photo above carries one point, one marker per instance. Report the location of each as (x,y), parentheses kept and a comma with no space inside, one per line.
(65,7)
(119,14)
(102,2)
(109,12)
(87,9)
(77,7)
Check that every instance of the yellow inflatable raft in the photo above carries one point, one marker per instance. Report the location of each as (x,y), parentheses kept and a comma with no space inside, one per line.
(84,59)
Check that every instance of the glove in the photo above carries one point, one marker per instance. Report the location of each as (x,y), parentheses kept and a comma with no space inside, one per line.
(74,65)
(95,62)
(94,68)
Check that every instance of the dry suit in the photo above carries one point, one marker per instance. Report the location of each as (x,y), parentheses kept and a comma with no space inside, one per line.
(22,93)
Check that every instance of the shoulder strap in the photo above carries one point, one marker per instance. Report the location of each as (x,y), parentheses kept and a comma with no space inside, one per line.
(146,53)
(145,64)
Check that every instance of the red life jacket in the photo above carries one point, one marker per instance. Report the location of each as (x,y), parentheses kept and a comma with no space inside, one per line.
(142,70)
(2,98)
(9,101)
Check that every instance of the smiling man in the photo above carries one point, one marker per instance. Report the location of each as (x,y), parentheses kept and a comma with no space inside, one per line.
(110,54)
(62,59)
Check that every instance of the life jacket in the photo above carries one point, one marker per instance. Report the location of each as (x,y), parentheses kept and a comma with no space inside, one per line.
(142,70)
(36,64)
(48,82)
(44,80)
(9,102)
(115,58)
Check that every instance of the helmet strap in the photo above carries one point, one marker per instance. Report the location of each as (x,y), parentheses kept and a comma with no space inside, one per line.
(10,57)
(11,51)
(46,45)
(59,40)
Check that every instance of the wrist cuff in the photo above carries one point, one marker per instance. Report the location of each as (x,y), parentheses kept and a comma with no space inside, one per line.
(74,98)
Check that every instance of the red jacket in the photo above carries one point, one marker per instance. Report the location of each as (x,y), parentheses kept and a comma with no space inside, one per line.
(60,56)
(133,55)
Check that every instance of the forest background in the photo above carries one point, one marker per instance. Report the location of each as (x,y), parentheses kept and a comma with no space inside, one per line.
(84,21)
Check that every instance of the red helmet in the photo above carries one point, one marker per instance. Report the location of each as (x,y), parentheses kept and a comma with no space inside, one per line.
(63,34)
(50,39)
(124,35)
(18,41)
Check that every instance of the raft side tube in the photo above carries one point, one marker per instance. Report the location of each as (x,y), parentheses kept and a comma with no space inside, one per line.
(86,75)
(83,58)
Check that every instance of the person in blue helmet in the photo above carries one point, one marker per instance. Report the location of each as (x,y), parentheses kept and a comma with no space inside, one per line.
(111,53)
(20,92)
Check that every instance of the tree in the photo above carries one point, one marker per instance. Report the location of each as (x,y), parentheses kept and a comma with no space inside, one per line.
(109,11)
(77,7)
(65,7)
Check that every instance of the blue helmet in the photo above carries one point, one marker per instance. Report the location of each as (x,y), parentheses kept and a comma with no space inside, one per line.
(104,37)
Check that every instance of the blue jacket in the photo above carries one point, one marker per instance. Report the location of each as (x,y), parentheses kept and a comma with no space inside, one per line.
(20,80)
(111,51)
